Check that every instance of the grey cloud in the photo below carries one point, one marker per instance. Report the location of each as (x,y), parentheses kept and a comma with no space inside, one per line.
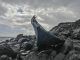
(47,3)
(14,1)
(2,10)
(62,11)
(75,7)
(41,3)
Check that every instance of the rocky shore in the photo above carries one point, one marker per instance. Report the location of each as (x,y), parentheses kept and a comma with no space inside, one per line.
(26,47)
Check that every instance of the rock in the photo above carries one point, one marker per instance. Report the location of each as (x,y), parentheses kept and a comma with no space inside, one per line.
(27,46)
(67,29)
(4,57)
(53,53)
(73,55)
(22,40)
(7,50)
(32,56)
(60,56)
(18,37)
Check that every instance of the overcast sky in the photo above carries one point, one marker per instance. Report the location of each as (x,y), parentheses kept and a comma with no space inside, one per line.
(15,15)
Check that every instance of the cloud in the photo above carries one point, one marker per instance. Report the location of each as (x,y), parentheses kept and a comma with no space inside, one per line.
(2,9)
(15,15)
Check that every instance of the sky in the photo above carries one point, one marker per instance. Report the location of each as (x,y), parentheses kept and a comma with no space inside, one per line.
(15,15)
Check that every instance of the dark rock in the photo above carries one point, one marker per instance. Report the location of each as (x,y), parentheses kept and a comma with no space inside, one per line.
(68,29)
(4,57)
(22,40)
(18,37)
(60,56)
(27,46)
(7,50)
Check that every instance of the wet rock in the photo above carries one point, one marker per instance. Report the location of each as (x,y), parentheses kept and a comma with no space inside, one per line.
(5,49)
(43,55)
(4,57)
(73,55)
(32,56)
(22,40)
(27,46)
(18,37)
(67,29)
(60,56)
